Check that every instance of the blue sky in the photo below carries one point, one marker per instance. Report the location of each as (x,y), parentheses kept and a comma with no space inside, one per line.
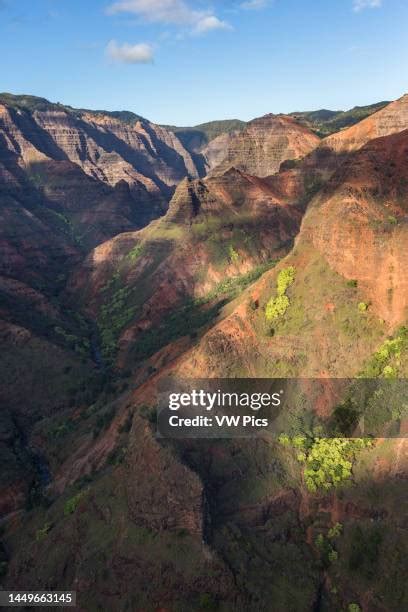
(189,61)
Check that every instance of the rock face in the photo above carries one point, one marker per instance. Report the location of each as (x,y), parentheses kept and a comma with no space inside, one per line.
(363,213)
(262,147)
(96,307)
(153,473)
(392,119)
(317,167)
(215,151)
(214,231)
(351,249)
(106,148)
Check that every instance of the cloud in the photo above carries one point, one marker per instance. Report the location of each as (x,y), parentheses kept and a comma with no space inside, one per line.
(206,24)
(360,5)
(254,4)
(129,54)
(164,11)
(173,12)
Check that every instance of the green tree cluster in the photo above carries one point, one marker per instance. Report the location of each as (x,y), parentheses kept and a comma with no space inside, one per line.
(276,307)
(327,461)
(72,504)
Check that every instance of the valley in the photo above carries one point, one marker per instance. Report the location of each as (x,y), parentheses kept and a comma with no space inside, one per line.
(131,252)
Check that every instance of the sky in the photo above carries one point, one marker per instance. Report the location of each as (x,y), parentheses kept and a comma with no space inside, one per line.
(185,62)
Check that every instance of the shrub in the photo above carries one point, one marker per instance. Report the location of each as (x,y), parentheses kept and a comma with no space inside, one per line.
(335,531)
(135,253)
(328,461)
(362,307)
(232,254)
(326,551)
(285,279)
(352,283)
(276,307)
(72,504)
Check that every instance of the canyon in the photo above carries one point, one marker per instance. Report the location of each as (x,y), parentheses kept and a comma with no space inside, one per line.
(130,252)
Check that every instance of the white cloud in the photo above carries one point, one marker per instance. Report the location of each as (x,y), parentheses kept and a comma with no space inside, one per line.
(206,24)
(177,12)
(165,11)
(254,4)
(360,5)
(129,54)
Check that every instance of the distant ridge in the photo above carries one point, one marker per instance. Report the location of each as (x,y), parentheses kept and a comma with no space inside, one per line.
(325,122)
(35,103)
(197,137)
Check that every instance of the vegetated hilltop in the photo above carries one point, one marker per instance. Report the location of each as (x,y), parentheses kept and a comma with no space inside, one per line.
(196,138)
(325,122)
(299,522)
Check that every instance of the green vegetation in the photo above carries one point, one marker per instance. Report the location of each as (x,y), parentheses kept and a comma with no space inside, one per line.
(276,307)
(34,103)
(114,315)
(194,314)
(387,360)
(135,253)
(72,504)
(327,552)
(232,287)
(327,462)
(78,344)
(233,255)
(325,122)
(335,531)
(122,302)
(363,306)
(353,607)
(195,138)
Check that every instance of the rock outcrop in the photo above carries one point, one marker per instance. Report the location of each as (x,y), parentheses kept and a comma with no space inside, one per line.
(214,231)
(262,146)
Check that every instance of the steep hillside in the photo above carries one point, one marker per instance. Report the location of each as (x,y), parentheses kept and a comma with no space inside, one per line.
(298,274)
(312,172)
(349,252)
(262,146)
(106,146)
(217,236)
